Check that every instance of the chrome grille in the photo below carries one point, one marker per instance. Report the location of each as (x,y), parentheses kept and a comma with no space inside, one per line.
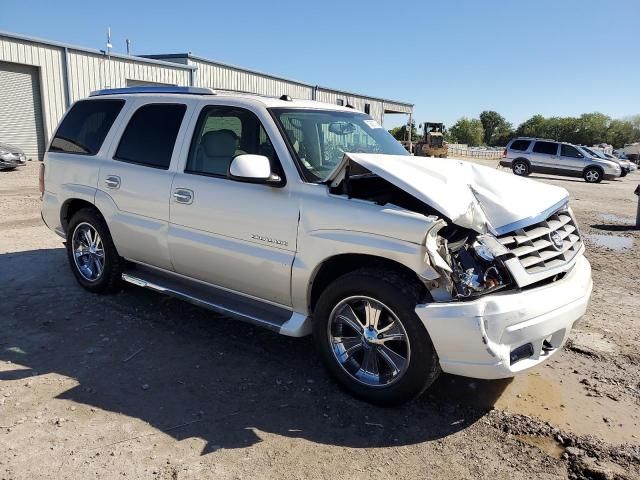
(546,244)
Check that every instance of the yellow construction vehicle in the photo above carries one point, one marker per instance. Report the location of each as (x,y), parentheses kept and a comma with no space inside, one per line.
(432,143)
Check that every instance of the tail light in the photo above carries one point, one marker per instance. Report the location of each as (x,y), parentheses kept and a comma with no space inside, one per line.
(504,153)
(41,180)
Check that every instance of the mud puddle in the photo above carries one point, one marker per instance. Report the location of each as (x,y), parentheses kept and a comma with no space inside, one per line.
(611,242)
(555,395)
(547,444)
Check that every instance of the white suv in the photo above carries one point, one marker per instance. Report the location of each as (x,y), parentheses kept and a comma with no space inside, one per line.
(305,217)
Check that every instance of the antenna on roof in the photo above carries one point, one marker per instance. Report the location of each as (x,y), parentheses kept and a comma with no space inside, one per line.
(128,46)
(109,45)
(286,98)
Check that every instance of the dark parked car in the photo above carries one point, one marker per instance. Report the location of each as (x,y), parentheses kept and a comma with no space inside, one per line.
(11,157)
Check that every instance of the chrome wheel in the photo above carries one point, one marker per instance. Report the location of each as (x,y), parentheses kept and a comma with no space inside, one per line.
(368,341)
(88,251)
(520,169)
(592,176)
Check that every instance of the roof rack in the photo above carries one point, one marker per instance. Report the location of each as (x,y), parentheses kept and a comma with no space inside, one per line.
(153,89)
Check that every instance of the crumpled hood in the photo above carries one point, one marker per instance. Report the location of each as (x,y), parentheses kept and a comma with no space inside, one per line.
(470,195)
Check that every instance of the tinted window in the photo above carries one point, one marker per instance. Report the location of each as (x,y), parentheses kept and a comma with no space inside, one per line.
(549,148)
(569,151)
(223,133)
(520,145)
(85,127)
(150,135)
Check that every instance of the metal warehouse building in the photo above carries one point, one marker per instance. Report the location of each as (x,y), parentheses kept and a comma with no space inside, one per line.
(39,79)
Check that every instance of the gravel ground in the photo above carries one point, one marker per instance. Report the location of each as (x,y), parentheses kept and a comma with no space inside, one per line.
(136,385)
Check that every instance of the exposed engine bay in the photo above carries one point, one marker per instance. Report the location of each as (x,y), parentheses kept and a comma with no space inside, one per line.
(469,263)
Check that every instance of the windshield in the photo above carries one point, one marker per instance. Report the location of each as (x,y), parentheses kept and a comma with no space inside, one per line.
(320,138)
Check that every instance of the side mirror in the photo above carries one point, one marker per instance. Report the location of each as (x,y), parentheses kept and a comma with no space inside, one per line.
(252,169)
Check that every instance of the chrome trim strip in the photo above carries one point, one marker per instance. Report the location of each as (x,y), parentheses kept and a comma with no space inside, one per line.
(203,303)
(153,89)
(525,222)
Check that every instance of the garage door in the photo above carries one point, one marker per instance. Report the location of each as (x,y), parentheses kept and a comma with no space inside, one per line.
(21,109)
(143,83)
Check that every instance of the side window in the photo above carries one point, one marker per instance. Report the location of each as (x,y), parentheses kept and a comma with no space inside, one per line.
(569,151)
(367,108)
(221,134)
(151,135)
(520,145)
(85,127)
(549,148)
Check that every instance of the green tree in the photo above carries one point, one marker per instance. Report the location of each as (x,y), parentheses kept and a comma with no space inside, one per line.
(467,131)
(400,133)
(495,127)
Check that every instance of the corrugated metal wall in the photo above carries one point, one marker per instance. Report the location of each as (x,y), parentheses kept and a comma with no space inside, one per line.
(358,102)
(224,77)
(87,71)
(392,107)
(50,62)
(90,72)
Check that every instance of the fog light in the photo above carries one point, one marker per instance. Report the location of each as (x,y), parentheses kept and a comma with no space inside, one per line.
(520,353)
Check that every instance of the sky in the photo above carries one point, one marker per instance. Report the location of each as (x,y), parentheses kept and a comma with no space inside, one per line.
(450,58)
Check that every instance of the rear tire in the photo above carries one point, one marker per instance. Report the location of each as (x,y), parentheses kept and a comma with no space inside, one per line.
(521,168)
(92,256)
(592,175)
(389,364)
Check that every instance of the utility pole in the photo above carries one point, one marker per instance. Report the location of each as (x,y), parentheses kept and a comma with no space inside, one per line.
(637,192)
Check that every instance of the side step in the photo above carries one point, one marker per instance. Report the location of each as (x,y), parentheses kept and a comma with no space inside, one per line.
(221,301)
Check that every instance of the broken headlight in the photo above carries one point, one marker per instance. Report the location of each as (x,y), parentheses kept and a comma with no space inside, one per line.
(476,268)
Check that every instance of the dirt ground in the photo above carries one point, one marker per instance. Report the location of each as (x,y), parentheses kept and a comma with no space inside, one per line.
(136,385)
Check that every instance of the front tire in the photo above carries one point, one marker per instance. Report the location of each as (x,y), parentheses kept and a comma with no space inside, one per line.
(592,175)
(521,168)
(92,255)
(370,338)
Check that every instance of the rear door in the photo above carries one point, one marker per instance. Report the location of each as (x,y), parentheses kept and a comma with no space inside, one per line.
(135,181)
(571,159)
(544,155)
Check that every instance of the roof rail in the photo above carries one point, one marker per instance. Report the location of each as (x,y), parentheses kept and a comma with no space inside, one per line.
(153,89)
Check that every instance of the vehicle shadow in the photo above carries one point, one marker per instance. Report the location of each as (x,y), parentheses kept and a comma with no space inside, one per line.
(540,176)
(190,373)
(615,227)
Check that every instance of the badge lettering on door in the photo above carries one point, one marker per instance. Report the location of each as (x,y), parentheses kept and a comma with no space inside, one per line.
(255,236)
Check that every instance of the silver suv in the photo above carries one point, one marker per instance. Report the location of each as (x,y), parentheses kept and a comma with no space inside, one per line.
(526,155)
(305,217)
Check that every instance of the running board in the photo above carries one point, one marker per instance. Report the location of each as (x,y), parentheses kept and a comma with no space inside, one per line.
(224,302)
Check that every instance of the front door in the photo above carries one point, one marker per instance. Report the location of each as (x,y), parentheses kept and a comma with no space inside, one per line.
(234,235)
(571,159)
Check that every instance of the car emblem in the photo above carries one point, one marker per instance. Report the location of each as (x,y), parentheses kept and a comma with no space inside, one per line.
(556,240)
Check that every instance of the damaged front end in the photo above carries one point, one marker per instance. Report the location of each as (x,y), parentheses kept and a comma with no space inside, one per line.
(469,264)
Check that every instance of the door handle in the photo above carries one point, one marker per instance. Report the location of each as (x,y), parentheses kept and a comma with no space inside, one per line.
(112,181)
(183,195)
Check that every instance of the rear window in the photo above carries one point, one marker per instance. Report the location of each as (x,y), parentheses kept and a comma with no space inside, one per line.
(151,135)
(550,148)
(85,127)
(520,145)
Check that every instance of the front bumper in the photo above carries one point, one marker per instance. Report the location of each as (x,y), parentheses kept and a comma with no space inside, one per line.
(476,338)
(11,160)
